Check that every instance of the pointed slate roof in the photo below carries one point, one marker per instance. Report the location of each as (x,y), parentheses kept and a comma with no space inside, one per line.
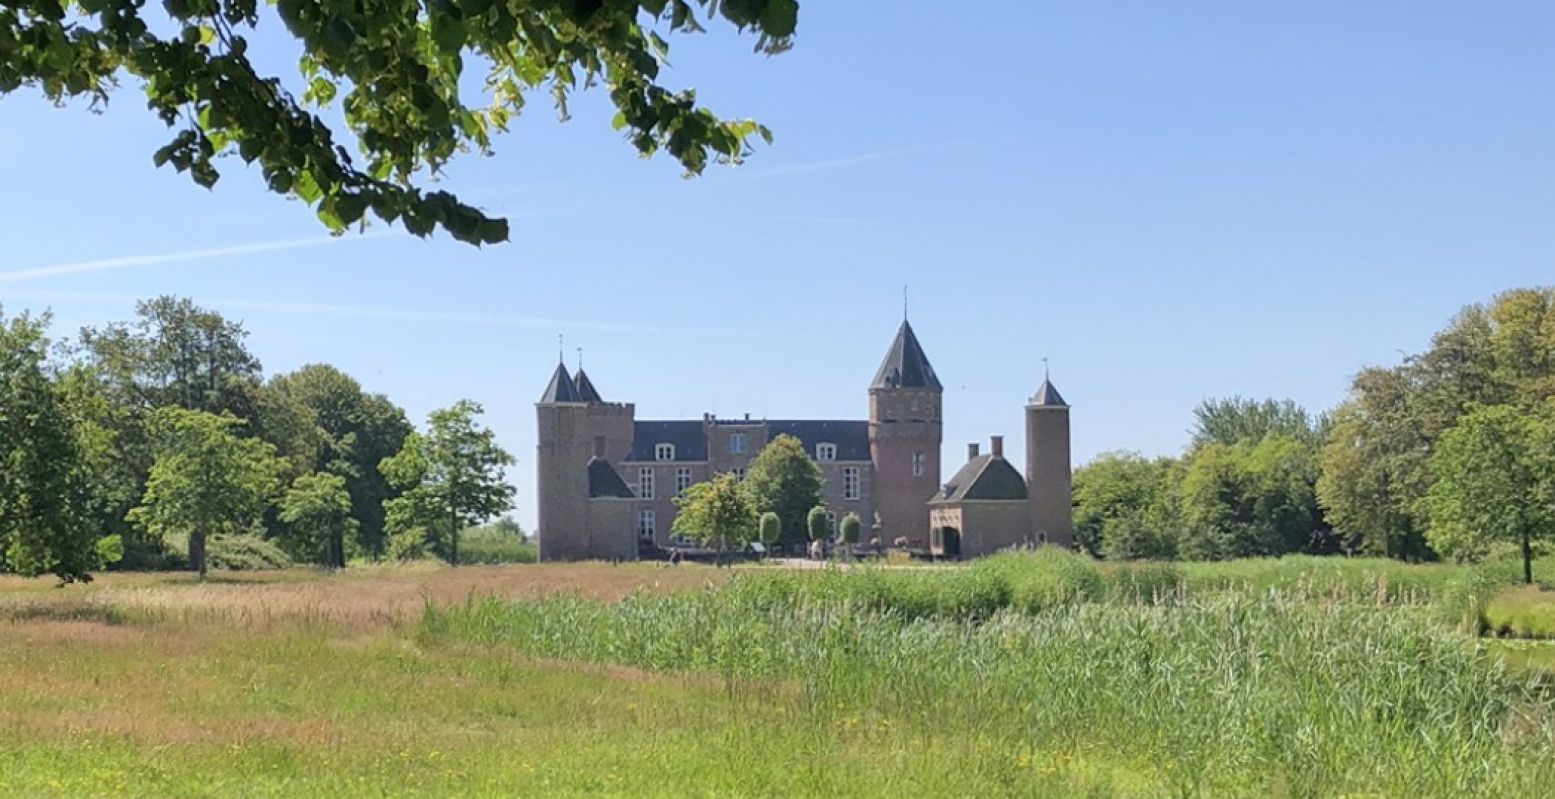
(905,365)
(561,388)
(984,477)
(585,387)
(605,481)
(1048,396)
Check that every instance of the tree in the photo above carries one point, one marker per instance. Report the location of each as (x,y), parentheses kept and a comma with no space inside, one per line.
(399,71)
(1247,501)
(357,430)
(1495,482)
(1123,485)
(1376,461)
(771,528)
(1237,420)
(44,526)
(717,511)
(316,519)
(206,480)
(451,477)
(782,479)
(817,524)
(177,354)
(848,530)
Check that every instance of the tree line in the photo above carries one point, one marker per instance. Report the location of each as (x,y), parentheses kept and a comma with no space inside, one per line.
(137,443)
(1449,454)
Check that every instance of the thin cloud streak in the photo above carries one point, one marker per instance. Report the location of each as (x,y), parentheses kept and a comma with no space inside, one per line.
(129,262)
(332,311)
(839,163)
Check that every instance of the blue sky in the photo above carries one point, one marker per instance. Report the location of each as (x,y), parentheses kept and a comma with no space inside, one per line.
(1171,203)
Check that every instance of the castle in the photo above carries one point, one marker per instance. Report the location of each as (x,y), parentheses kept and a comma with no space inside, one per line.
(607,481)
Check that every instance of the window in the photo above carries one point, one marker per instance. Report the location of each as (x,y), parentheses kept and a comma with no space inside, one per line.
(850,482)
(682,480)
(737,443)
(917,464)
(825,452)
(831,524)
(664,452)
(645,530)
(739,474)
(645,483)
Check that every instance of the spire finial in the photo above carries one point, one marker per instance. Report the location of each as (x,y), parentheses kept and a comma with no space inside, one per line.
(1044,368)
(580,359)
(561,350)
(904,302)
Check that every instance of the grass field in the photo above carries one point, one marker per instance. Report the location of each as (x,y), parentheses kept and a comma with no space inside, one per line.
(645,680)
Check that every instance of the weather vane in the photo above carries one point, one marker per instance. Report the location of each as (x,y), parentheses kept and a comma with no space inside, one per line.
(1044,368)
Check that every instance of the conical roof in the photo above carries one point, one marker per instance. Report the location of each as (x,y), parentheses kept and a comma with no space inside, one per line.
(905,365)
(1047,395)
(585,387)
(561,388)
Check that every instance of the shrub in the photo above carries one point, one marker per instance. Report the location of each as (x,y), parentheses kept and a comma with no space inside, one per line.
(1048,578)
(1522,612)
(770,528)
(237,553)
(849,529)
(492,545)
(815,522)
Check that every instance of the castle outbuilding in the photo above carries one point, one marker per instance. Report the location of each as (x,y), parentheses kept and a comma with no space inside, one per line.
(608,481)
(988,506)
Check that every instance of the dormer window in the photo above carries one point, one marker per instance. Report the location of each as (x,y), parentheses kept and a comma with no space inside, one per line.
(664,452)
(825,452)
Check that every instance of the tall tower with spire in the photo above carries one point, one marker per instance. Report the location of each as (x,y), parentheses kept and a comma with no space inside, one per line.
(905,429)
(1048,476)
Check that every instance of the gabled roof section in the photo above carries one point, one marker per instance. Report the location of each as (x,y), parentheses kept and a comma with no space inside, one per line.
(1048,396)
(585,387)
(851,437)
(605,481)
(905,365)
(984,477)
(561,388)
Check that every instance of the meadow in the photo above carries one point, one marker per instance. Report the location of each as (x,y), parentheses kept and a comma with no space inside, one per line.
(1039,675)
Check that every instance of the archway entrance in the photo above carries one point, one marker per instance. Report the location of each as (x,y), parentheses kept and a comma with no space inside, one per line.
(951,538)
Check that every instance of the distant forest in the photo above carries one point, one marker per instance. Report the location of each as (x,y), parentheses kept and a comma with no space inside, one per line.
(140,444)
(1450,454)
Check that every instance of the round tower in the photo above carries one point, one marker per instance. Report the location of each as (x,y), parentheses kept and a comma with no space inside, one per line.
(1048,476)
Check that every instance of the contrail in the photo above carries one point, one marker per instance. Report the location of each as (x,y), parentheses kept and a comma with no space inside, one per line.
(332,311)
(127,262)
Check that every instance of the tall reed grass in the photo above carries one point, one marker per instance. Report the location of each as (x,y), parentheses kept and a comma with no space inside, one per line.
(1244,693)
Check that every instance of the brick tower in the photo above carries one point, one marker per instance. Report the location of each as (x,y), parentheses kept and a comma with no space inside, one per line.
(1048,478)
(905,421)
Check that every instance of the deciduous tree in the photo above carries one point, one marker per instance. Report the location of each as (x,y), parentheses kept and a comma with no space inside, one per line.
(1495,482)
(399,72)
(44,524)
(451,476)
(316,519)
(718,511)
(784,480)
(206,480)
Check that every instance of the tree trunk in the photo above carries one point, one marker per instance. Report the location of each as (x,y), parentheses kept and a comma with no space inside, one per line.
(453,539)
(1527,559)
(197,552)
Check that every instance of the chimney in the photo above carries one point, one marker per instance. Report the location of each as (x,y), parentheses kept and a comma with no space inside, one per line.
(996,446)
(971,450)
(747,416)
(599,446)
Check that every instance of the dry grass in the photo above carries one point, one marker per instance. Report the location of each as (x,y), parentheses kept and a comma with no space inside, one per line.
(360,598)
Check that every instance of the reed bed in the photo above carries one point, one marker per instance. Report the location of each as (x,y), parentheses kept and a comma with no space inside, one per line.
(1236,693)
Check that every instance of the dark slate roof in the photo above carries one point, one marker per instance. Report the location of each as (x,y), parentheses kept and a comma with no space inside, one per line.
(983,477)
(585,387)
(1048,395)
(851,437)
(561,388)
(905,365)
(689,438)
(605,481)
